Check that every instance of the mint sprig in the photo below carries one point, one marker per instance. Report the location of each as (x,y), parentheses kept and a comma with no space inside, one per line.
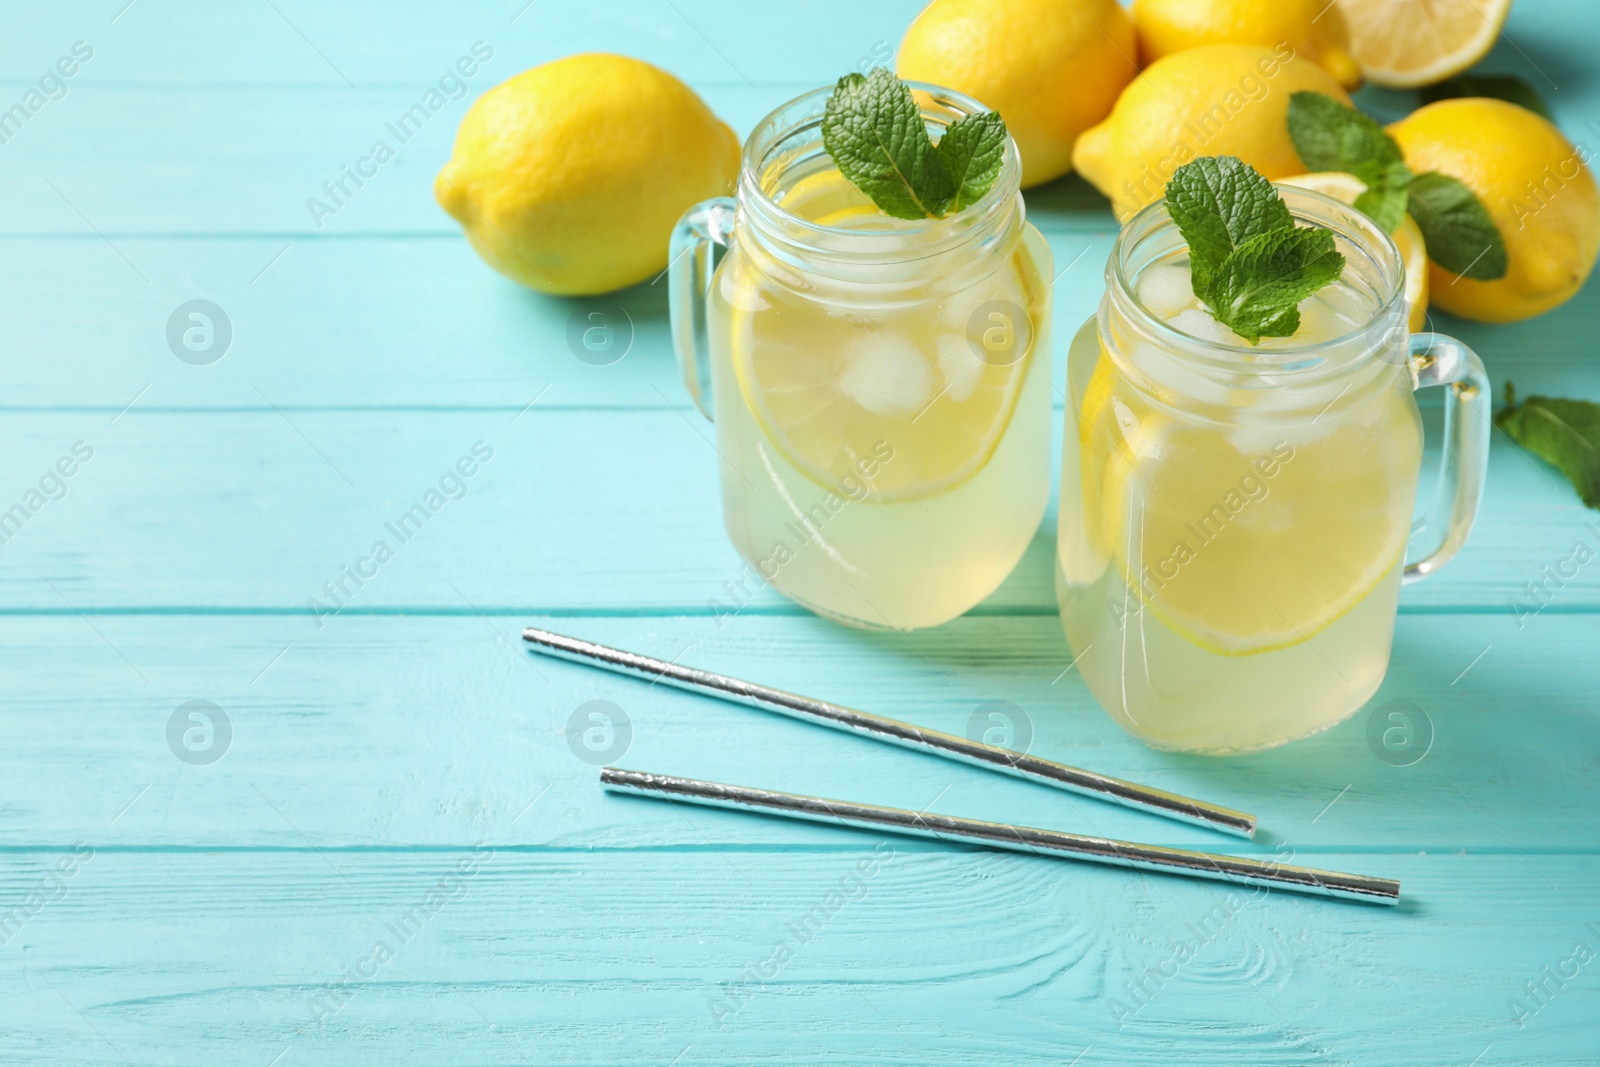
(873,129)
(1456,227)
(1565,433)
(1249,263)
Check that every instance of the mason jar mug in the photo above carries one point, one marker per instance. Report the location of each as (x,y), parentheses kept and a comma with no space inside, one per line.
(880,387)
(1234,519)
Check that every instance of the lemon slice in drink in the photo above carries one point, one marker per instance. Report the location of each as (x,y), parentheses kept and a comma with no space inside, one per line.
(834,385)
(824,197)
(1085,551)
(1407,237)
(1407,43)
(1245,551)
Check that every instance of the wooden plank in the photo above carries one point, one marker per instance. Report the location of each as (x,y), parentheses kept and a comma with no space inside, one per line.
(351,323)
(923,956)
(382,322)
(435,731)
(573,513)
(168,160)
(131,160)
(121,162)
(361,42)
(367,42)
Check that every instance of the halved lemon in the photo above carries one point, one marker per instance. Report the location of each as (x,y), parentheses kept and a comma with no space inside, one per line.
(1407,43)
(1407,237)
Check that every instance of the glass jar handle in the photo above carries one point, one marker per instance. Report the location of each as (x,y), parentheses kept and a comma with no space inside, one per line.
(692,258)
(1440,360)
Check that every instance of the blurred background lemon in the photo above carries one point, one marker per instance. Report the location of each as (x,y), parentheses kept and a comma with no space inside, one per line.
(1051,68)
(570,177)
(1407,43)
(1313,28)
(1216,100)
(1536,188)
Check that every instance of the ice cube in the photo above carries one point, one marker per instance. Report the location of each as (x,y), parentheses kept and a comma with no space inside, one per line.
(887,374)
(1199,324)
(957,309)
(1161,364)
(1165,290)
(959,364)
(1330,313)
(1318,322)
(1349,306)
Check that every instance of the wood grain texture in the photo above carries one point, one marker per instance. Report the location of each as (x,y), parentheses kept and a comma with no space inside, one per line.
(877,951)
(212,912)
(392,321)
(454,728)
(574,512)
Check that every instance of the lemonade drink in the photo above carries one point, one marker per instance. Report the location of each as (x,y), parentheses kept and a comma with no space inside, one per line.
(880,386)
(885,440)
(1229,576)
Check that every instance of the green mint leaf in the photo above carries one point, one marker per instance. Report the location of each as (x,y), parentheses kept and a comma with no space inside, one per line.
(874,131)
(1564,433)
(1507,87)
(1386,207)
(1219,203)
(1456,227)
(1256,291)
(1385,199)
(972,150)
(1330,136)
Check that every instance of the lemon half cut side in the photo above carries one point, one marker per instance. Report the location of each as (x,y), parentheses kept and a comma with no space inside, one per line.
(1404,44)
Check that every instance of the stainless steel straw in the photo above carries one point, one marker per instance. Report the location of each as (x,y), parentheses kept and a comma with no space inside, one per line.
(896,732)
(1051,843)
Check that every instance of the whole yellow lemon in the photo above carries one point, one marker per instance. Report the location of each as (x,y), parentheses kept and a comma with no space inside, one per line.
(570,177)
(1051,68)
(1216,100)
(1537,189)
(1313,28)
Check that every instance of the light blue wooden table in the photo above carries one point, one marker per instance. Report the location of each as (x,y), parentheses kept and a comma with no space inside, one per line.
(399,858)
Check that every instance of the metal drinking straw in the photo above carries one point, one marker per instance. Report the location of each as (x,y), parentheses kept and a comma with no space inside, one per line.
(1052,843)
(896,732)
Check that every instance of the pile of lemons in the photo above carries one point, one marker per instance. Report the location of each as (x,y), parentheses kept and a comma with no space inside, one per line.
(1188,78)
(569,177)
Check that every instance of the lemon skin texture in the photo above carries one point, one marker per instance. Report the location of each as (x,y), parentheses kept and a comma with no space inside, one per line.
(1314,28)
(570,177)
(1051,68)
(1217,100)
(1537,188)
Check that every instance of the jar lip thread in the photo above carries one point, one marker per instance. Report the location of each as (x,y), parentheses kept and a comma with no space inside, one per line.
(1308,206)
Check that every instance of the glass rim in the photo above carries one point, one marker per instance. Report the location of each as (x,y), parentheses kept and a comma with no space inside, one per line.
(1307,206)
(804,112)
